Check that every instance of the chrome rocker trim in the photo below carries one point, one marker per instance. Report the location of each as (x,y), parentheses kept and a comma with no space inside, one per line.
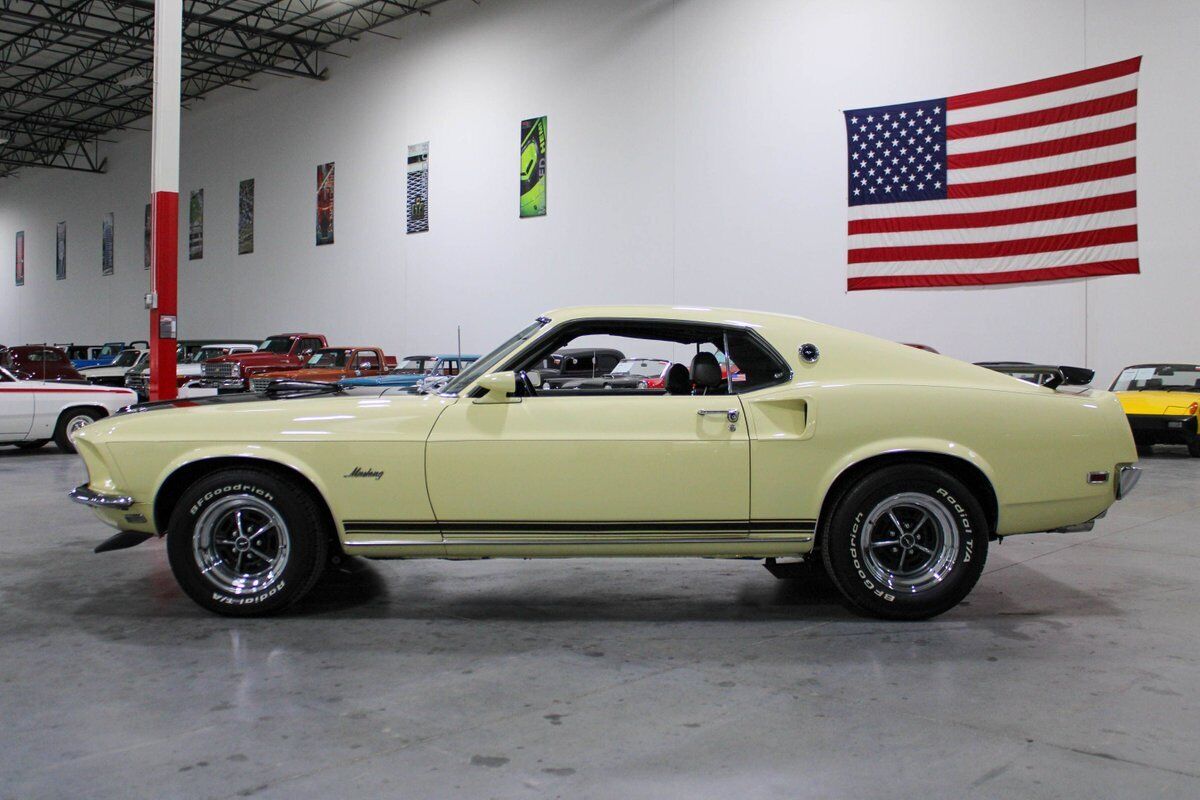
(88,497)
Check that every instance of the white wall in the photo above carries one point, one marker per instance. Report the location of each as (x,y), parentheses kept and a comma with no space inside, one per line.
(696,156)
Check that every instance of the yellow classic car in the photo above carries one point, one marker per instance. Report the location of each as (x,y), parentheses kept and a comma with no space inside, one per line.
(891,466)
(1162,402)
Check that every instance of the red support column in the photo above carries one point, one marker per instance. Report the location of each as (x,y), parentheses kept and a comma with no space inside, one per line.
(164,198)
(164,265)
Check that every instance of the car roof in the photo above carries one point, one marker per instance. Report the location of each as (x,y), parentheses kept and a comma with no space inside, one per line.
(1187,367)
(723,316)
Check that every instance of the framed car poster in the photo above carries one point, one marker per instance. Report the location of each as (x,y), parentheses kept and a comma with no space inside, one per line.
(20,258)
(533,167)
(418,188)
(106,244)
(60,251)
(246,217)
(146,241)
(196,225)
(325,203)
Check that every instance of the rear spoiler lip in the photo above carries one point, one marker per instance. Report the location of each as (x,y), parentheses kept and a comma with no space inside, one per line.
(1054,376)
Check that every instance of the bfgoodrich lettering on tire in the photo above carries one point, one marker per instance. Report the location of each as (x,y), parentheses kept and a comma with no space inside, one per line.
(244,542)
(908,542)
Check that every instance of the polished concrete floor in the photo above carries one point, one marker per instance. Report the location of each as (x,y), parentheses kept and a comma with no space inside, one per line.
(1073,670)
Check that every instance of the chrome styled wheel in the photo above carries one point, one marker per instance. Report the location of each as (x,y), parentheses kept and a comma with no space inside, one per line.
(910,542)
(241,544)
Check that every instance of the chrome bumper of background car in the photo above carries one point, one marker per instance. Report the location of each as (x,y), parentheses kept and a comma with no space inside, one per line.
(1127,478)
(88,497)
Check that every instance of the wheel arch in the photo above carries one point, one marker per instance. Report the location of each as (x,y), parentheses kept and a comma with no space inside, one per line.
(971,474)
(181,477)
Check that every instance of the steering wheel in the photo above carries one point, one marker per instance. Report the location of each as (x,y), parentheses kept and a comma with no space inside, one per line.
(525,384)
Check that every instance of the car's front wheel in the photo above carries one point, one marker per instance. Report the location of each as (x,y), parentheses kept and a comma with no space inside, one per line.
(70,422)
(908,542)
(245,542)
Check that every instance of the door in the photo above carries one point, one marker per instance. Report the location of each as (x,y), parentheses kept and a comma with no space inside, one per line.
(627,466)
(16,409)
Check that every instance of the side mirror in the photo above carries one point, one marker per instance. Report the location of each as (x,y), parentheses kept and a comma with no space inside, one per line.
(497,388)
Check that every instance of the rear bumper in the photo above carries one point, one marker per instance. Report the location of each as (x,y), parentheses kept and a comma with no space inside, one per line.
(89,497)
(1162,428)
(1127,478)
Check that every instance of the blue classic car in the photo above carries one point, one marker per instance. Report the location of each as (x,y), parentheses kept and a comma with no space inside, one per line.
(419,373)
(106,354)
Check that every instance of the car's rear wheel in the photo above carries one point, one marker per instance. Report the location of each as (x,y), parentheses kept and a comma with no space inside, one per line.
(69,423)
(35,444)
(245,542)
(908,542)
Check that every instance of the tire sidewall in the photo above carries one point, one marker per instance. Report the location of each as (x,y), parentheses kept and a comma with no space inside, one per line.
(306,553)
(844,552)
(62,437)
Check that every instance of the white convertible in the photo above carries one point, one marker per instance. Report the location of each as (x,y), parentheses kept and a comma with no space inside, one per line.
(34,412)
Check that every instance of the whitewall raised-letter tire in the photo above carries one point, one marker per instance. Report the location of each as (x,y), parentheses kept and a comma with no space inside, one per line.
(246,542)
(907,542)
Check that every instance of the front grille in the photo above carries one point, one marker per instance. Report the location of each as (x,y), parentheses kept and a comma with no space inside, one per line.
(136,380)
(260,385)
(224,369)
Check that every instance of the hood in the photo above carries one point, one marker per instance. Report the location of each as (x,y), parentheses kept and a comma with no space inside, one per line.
(249,419)
(1176,404)
(317,374)
(250,359)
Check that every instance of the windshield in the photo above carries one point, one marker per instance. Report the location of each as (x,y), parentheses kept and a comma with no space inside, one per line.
(127,358)
(639,368)
(411,365)
(485,364)
(1159,378)
(276,344)
(205,353)
(327,358)
(143,360)
(110,350)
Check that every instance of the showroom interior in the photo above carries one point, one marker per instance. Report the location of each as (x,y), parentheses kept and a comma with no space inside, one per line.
(372,180)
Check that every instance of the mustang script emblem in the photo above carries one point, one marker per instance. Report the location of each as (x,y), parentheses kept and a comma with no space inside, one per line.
(359,472)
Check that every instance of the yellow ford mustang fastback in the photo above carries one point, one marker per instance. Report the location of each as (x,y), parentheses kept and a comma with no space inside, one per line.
(1162,402)
(772,437)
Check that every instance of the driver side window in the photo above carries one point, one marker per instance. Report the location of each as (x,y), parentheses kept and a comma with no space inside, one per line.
(648,357)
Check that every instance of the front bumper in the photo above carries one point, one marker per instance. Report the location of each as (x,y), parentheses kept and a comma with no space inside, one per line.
(89,497)
(222,385)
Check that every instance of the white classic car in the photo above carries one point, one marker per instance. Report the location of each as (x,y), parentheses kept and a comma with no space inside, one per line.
(114,373)
(892,467)
(34,412)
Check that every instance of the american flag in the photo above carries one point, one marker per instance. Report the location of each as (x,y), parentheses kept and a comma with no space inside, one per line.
(1032,182)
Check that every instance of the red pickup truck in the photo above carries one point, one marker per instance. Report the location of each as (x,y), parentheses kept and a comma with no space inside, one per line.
(283,351)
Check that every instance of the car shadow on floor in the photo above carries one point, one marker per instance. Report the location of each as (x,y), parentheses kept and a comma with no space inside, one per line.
(554,592)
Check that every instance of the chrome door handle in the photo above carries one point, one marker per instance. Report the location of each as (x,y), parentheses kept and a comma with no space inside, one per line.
(731,414)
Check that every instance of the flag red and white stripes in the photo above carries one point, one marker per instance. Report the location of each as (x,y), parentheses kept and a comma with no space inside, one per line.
(1030,182)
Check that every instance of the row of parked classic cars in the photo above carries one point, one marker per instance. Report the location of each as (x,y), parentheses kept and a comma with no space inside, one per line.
(1162,400)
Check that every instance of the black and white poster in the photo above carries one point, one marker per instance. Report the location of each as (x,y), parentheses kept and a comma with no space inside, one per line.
(418,187)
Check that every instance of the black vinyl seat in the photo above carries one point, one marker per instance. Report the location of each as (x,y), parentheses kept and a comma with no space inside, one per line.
(706,373)
(678,381)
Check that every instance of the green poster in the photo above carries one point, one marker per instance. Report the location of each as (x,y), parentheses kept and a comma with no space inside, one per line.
(533,167)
